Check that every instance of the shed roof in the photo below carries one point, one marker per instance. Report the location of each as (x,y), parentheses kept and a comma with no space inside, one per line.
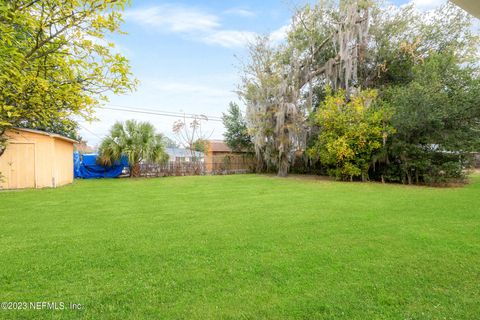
(45,133)
(218,146)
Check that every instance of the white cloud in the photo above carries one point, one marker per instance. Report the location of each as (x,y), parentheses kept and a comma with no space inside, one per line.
(241,12)
(280,34)
(230,38)
(193,23)
(174,18)
(427,4)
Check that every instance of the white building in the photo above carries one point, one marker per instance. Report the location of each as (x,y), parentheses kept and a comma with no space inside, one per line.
(183,155)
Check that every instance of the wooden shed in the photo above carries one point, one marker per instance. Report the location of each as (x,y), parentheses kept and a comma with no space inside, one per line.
(219,158)
(36,159)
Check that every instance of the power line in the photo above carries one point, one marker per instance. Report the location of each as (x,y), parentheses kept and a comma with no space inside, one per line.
(162,113)
(152,112)
(90,131)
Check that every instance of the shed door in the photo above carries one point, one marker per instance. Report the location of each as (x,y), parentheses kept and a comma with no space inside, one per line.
(21,160)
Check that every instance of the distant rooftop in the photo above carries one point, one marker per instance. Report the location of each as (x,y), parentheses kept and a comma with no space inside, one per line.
(221,146)
(180,152)
(218,146)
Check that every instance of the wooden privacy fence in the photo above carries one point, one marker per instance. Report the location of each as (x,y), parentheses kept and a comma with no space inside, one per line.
(230,163)
(177,168)
(225,164)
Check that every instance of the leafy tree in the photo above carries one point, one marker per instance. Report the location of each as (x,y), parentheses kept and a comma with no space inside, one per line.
(437,118)
(55,62)
(200,145)
(276,77)
(191,135)
(236,134)
(3,142)
(65,127)
(355,45)
(351,132)
(401,38)
(170,143)
(274,115)
(136,140)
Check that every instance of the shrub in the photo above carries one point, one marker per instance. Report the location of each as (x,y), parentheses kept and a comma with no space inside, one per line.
(351,132)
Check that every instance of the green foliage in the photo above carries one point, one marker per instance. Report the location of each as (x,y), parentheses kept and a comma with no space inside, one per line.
(437,118)
(170,143)
(236,131)
(55,60)
(425,70)
(3,141)
(200,145)
(3,146)
(350,133)
(65,127)
(136,140)
(402,38)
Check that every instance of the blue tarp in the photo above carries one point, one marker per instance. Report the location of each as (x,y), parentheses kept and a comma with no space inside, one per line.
(86,167)
(76,165)
(89,159)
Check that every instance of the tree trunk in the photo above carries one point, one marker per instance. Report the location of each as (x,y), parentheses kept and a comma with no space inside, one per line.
(364,179)
(282,170)
(283,166)
(135,170)
(259,164)
(409,177)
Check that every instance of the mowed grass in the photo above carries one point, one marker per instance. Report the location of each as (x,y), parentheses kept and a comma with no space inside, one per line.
(242,247)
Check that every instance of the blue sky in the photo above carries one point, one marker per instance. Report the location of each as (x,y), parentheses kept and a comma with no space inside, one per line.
(186,56)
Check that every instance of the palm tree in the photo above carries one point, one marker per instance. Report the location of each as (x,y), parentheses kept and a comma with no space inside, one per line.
(136,140)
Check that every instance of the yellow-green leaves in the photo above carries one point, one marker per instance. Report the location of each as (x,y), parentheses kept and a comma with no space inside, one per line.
(350,132)
(55,62)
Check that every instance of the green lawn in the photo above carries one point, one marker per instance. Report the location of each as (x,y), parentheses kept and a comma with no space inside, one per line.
(242,247)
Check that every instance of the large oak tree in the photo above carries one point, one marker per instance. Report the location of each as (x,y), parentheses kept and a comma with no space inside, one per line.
(56,61)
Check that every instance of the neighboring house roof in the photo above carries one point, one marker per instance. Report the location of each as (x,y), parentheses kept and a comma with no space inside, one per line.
(82,147)
(471,6)
(221,146)
(218,146)
(180,152)
(53,135)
